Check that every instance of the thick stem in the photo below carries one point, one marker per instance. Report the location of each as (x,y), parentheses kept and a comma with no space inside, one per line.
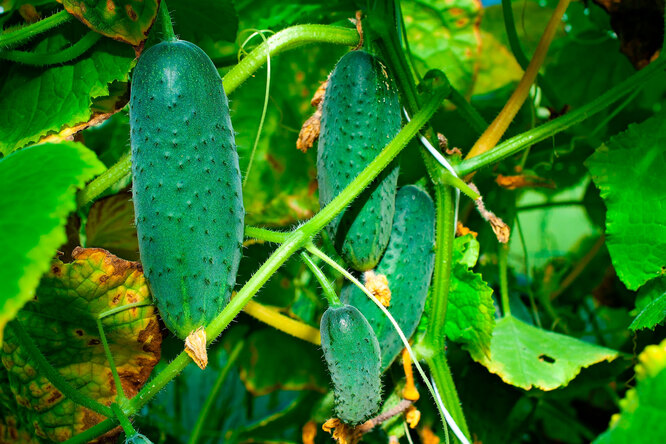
(167,25)
(58,381)
(529,138)
(285,324)
(22,35)
(289,38)
(326,286)
(441,374)
(441,281)
(214,392)
(494,132)
(266,235)
(53,58)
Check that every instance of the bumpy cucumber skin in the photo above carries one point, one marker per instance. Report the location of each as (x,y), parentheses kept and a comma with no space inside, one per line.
(360,115)
(186,184)
(353,356)
(408,264)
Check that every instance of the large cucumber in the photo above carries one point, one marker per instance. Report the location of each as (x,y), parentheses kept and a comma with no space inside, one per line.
(186,184)
(360,115)
(353,357)
(408,264)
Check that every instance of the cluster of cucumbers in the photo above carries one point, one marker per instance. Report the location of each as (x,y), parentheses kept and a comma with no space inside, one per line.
(189,208)
(391,231)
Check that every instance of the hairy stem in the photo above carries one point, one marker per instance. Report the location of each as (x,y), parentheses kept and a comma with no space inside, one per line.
(441,374)
(214,393)
(275,319)
(549,129)
(327,287)
(124,421)
(46,369)
(494,132)
(266,235)
(53,58)
(22,35)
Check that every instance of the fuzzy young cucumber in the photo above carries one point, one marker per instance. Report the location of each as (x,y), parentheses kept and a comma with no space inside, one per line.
(138,438)
(353,357)
(186,184)
(408,264)
(360,116)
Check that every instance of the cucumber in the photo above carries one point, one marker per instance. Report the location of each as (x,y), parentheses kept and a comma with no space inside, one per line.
(353,357)
(408,264)
(138,438)
(360,116)
(186,184)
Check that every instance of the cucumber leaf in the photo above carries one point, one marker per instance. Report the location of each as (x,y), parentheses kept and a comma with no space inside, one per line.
(37,192)
(62,322)
(642,416)
(526,356)
(628,170)
(652,303)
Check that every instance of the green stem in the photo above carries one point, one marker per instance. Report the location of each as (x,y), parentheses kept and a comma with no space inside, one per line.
(214,392)
(441,281)
(104,181)
(468,112)
(549,129)
(120,394)
(329,291)
(521,58)
(22,35)
(53,58)
(124,421)
(287,39)
(503,278)
(441,374)
(550,204)
(58,381)
(265,235)
(93,432)
(167,24)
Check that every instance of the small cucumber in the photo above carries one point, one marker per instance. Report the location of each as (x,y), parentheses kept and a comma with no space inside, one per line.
(138,439)
(408,264)
(186,184)
(352,353)
(360,116)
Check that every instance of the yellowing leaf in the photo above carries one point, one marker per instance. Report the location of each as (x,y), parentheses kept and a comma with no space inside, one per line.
(526,356)
(62,322)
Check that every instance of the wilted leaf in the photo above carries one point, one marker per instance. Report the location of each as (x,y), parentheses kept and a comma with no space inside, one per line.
(37,192)
(62,322)
(652,300)
(526,356)
(46,100)
(642,417)
(300,364)
(111,226)
(629,172)
(124,20)
(470,317)
(445,35)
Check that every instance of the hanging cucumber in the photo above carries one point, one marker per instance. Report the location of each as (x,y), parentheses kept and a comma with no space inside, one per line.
(186,187)
(353,357)
(408,264)
(360,115)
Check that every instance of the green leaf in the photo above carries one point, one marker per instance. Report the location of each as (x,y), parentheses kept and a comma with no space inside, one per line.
(642,417)
(471,314)
(62,322)
(37,192)
(300,364)
(207,23)
(109,139)
(652,300)
(526,356)
(124,20)
(628,170)
(445,35)
(46,100)
(110,226)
